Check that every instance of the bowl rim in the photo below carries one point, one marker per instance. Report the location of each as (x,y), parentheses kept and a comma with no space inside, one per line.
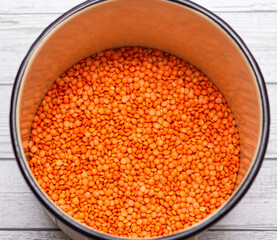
(203,225)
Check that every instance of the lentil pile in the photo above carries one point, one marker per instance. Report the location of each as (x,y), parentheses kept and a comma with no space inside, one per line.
(135,142)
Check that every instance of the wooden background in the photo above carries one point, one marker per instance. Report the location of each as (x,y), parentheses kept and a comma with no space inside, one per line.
(21,21)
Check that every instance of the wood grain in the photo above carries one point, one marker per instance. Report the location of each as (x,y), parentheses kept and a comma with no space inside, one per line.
(52,6)
(20,209)
(238,235)
(18,32)
(33,235)
(5,142)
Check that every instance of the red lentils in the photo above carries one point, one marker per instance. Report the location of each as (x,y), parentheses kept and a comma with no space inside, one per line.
(136,143)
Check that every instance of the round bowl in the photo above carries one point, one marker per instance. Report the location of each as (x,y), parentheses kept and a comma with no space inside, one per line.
(182,28)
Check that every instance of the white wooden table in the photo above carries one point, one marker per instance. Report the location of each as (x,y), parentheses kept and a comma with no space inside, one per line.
(21,21)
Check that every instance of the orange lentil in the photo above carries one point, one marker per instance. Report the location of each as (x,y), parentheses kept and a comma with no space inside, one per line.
(75,201)
(136,143)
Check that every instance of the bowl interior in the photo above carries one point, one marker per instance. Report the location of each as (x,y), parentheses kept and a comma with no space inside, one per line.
(165,25)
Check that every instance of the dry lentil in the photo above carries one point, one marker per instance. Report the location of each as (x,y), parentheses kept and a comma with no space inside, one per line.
(135,142)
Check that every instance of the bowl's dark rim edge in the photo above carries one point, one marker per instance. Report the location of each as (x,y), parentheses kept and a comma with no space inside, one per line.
(180,235)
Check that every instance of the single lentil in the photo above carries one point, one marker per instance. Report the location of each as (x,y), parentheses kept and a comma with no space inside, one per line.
(136,143)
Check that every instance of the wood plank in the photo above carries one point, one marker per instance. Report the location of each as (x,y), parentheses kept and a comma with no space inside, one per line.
(20,209)
(238,235)
(238,5)
(40,6)
(33,235)
(5,141)
(11,179)
(208,235)
(52,6)
(18,32)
